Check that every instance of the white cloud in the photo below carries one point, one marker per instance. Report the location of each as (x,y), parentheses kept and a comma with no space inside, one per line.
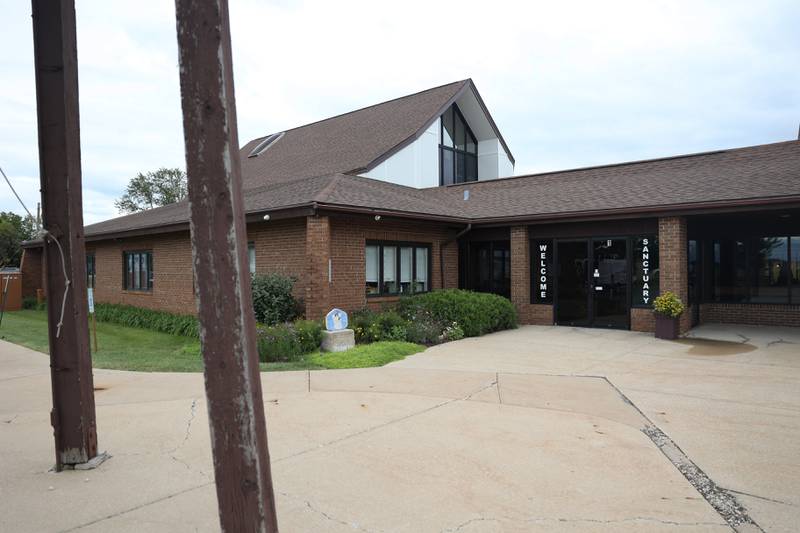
(569,83)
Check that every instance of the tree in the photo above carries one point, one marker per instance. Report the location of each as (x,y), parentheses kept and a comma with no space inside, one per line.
(13,230)
(145,191)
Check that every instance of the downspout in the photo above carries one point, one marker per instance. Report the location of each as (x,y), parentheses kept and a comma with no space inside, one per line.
(445,243)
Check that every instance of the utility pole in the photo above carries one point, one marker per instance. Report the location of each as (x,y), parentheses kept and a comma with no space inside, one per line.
(56,64)
(222,282)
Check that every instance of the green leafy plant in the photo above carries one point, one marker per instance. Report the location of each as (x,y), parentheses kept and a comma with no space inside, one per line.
(476,313)
(273,302)
(278,343)
(139,317)
(668,304)
(309,334)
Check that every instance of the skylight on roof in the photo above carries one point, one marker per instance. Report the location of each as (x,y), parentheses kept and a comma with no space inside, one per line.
(266,143)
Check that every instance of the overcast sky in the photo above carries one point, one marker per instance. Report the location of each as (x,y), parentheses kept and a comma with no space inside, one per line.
(569,83)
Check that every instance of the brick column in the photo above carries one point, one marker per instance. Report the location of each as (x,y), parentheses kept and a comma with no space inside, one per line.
(318,253)
(673,262)
(520,272)
(539,314)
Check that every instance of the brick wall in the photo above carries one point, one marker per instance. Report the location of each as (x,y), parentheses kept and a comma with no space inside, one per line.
(348,236)
(642,320)
(172,272)
(281,249)
(752,314)
(674,274)
(521,281)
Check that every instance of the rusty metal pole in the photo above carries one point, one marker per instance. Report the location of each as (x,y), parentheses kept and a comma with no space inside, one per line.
(56,63)
(222,281)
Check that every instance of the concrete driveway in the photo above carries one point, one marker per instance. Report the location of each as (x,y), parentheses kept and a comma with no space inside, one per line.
(537,429)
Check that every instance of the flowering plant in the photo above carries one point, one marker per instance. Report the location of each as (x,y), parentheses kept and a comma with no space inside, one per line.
(668,304)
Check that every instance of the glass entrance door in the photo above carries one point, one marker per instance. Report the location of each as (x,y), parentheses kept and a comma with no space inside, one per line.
(592,283)
(573,283)
(610,283)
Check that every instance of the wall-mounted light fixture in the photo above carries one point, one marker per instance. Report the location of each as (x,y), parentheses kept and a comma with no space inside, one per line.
(377,218)
(266,217)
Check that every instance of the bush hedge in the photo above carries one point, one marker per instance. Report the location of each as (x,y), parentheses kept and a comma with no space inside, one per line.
(273,302)
(289,341)
(138,317)
(475,313)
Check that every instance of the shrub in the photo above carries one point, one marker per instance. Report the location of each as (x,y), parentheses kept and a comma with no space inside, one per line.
(278,343)
(474,313)
(273,302)
(370,326)
(288,342)
(360,322)
(309,334)
(668,304)
(29,302)
(138,317)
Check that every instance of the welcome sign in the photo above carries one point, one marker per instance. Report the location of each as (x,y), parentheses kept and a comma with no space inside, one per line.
(542,286)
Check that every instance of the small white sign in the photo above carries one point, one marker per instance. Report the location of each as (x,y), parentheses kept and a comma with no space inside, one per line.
(596,273)
(91,300)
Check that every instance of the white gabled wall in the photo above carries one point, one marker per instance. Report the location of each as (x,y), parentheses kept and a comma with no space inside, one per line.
(493,162)
(416,165)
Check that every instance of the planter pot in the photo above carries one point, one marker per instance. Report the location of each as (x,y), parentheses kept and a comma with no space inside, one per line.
(667,327)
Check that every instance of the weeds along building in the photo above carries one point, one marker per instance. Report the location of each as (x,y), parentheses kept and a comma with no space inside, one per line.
(412,195)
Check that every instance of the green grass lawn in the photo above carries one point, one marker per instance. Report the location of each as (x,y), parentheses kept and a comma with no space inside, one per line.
(124,348)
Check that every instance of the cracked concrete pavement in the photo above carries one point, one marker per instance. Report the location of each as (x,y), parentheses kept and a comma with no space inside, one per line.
(516,431)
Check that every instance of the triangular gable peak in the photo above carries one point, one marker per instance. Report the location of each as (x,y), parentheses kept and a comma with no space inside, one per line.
(461,143)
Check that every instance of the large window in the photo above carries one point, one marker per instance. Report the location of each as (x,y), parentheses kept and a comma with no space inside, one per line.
(397,268)
(458,149)
(756,270)
(490,267)
(90,271)
(138,271)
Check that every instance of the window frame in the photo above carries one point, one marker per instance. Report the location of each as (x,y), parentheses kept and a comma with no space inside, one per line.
(148,254)
(467,155)
(252,261)
(398,245)
(91,270)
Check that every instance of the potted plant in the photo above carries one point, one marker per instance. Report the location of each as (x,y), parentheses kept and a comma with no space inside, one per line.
(668,308)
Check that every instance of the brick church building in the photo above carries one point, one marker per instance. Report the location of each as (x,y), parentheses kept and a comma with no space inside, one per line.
(418,193)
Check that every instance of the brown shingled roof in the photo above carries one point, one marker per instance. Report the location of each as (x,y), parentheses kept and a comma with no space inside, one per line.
(350,142)
(764,173)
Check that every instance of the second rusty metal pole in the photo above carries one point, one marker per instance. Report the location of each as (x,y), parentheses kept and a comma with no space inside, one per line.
(222,281)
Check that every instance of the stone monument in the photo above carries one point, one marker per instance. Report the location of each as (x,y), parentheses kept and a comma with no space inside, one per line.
(337,338)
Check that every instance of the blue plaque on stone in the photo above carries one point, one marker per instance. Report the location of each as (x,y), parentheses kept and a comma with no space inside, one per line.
(336,320)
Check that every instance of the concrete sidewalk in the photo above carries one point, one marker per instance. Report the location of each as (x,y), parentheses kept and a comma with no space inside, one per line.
(482,435)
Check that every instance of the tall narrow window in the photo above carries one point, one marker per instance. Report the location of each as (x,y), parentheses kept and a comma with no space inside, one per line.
(90,271)
(389,270)
(373,269)
(138,275)
(458,149)
(251,257)
(794,269)
(421,270)
(406,269)
(770,270)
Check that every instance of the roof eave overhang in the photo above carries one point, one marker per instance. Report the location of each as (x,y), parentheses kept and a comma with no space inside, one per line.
(684,209)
